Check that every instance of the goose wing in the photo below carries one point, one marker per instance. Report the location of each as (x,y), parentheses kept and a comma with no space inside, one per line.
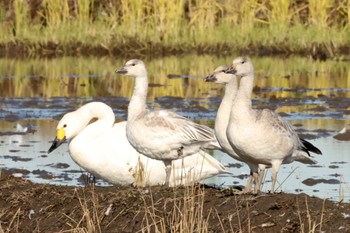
(285,128)
(167,124)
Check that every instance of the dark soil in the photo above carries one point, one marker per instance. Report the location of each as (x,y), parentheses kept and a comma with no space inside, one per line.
(153,49)
(29,207)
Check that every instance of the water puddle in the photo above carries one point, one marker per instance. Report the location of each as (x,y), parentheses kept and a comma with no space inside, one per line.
(313,96)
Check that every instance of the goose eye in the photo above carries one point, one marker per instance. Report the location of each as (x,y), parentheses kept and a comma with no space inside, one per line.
(65,125)
(133,64)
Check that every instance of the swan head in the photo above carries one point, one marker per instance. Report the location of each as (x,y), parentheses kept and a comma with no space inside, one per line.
(241,66)
(68,127)
(134,68)
(219,76)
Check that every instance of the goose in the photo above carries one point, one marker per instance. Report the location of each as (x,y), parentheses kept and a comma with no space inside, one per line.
(101,148)
(161,135)
(262,136)
(223,116)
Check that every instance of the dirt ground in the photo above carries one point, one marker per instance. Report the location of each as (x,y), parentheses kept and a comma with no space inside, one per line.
(29,207)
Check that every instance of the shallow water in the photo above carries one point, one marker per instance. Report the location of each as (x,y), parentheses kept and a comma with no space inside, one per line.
(314,96)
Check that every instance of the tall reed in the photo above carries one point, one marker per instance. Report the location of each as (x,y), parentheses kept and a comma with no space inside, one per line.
(21,24)
(142,26)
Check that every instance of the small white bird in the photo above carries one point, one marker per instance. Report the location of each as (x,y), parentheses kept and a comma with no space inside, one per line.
(161,135)
(21,129)
(262,136)
(222,119)
(101,148)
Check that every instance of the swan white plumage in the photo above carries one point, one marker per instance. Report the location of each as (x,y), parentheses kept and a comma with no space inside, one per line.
(223,116)
(262,136)
(102,149)
(161,135)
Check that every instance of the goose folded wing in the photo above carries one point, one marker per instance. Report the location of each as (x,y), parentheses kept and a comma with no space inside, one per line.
(168,124)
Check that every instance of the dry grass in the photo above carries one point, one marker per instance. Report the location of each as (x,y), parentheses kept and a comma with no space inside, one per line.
(313,224)
(182,213)
(116,26)
(90,222)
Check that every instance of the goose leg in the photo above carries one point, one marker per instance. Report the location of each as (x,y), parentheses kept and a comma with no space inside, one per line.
(256,181)
(167,164)
(261,173)
(274,170)
(249,185)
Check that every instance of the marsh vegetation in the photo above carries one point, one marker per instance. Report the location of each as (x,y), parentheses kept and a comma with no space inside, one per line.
(112,27)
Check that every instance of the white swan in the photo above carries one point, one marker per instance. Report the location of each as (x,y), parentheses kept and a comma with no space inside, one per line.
(262,136)
(102,149)
(161,135)
(223,116)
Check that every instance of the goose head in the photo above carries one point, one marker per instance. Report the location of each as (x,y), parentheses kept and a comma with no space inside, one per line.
(241,66)
(134,68)
(219,76)
(68,127)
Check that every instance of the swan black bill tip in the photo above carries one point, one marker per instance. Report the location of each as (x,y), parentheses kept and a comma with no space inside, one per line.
(55,144)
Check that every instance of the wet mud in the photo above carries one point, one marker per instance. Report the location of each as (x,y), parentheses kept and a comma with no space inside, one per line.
(29,207)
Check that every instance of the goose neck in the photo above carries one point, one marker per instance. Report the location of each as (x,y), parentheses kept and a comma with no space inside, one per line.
(137,103)
(244,94)
(223,113)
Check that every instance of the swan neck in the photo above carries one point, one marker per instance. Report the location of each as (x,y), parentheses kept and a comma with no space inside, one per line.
(105,119)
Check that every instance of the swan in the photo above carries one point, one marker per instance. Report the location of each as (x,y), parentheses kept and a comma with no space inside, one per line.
(102,149)
(222,119)
(161,135)
(262,136)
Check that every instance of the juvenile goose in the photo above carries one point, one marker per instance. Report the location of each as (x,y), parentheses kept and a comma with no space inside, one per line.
(262,136)
(223,116)
(102,149)
(161,135)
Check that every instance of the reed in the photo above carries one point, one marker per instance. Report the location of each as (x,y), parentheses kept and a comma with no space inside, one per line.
(21,23)
(144,27)
(182,213)
(319,12)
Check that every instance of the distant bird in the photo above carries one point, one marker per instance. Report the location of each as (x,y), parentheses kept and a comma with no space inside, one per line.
(222,119)
(161,135)
(101,148)
(21,129)
(343,134)
(262,136)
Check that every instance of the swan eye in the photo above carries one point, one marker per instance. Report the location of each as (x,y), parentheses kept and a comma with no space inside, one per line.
(243,61)
(133,64)
(65,125)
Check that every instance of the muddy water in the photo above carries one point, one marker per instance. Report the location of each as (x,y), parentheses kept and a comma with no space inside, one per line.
(313,96)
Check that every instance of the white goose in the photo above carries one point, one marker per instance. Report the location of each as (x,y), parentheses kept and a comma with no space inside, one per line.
(262,136)
(102,149)
(161,135)
(223,116)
